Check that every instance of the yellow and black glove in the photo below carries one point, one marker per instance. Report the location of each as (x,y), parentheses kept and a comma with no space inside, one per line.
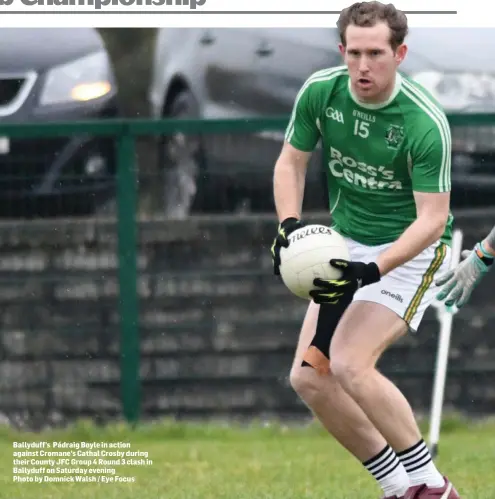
(355,275)
(285,228)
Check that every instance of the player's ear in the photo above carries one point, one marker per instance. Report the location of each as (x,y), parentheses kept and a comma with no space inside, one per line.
(400,53)
(342,49)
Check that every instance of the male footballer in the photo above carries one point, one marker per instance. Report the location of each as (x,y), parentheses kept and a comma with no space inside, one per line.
(387,147)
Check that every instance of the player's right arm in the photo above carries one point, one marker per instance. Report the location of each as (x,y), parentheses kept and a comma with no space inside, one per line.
(301,137)
(289,179)
(289,176)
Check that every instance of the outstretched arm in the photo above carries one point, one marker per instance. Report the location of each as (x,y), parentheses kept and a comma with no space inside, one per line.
(459,283)
(489,242)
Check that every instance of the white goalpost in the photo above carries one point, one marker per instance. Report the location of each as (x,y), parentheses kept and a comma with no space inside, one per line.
(445,318)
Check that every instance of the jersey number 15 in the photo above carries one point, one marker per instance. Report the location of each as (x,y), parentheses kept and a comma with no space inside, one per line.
(361,128)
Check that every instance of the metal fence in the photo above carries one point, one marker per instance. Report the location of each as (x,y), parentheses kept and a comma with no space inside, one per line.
(130,309)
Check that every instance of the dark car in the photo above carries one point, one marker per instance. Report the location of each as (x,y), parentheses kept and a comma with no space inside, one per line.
(242,73)
(47,75)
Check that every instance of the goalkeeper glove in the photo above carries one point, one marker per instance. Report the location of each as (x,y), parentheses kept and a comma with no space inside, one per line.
(458,283)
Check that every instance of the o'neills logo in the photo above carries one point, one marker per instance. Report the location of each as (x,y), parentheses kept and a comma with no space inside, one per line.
(394,296)
(309,231)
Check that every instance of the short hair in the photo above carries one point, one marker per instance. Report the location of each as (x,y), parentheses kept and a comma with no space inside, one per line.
(367,14)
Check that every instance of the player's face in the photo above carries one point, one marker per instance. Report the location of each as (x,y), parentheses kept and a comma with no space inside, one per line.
(371,61)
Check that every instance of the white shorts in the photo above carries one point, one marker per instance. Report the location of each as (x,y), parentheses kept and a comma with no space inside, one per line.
(409,289)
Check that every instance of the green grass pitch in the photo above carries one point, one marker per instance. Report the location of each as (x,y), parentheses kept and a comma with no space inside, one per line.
(258,461)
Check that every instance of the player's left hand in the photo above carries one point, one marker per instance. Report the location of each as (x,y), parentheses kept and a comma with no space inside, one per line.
(459,283)
(355,275)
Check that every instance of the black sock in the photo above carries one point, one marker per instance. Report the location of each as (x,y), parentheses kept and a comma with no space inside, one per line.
(328,318)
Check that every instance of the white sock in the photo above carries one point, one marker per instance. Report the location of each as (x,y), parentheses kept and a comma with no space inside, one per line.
(389,472)
(420,467)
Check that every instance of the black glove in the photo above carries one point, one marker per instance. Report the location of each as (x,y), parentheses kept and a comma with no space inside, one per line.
(355,275)
(288,226)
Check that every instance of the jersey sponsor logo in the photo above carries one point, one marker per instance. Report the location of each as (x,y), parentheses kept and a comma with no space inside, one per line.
(360,173)
(364,116)
(394,136)
(394,296)
(334,114)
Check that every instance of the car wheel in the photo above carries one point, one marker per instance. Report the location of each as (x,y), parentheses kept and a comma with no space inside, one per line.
(179,160)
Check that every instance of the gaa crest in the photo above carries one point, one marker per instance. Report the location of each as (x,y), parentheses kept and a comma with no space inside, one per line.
(394,136)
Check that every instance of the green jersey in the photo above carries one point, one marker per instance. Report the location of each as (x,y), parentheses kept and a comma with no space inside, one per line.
(376,155)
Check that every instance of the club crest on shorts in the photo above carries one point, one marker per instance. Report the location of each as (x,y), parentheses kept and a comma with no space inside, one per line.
(394,136)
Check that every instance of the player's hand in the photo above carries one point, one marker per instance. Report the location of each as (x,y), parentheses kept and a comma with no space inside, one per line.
(458,283)
(355,275)
(281,240)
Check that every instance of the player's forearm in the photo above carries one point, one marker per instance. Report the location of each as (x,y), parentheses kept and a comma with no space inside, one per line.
(423,232)
(288,189)
(489,242)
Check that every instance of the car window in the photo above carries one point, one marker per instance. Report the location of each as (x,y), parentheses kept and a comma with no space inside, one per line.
(308,36)
(453,49)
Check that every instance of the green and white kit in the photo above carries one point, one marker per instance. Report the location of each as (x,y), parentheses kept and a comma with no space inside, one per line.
(376,156)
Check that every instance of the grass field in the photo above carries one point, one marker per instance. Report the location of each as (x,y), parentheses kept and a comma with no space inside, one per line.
(260,461)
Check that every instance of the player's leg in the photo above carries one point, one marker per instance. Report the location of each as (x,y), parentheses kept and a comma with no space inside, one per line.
(363,334)
(336,410)
(380,315)
(340,415)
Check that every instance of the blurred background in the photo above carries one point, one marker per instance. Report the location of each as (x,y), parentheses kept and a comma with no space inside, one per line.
(135,272)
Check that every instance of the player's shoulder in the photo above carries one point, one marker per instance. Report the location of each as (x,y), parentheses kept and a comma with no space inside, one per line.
(420,108)
(326,79)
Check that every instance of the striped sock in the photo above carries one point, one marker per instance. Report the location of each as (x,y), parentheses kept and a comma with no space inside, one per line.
(420,467)
(389,472)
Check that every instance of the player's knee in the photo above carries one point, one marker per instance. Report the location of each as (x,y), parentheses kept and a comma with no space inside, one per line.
(304,381)
(349,372)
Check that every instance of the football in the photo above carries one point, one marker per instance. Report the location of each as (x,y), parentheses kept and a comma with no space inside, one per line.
(307,257)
